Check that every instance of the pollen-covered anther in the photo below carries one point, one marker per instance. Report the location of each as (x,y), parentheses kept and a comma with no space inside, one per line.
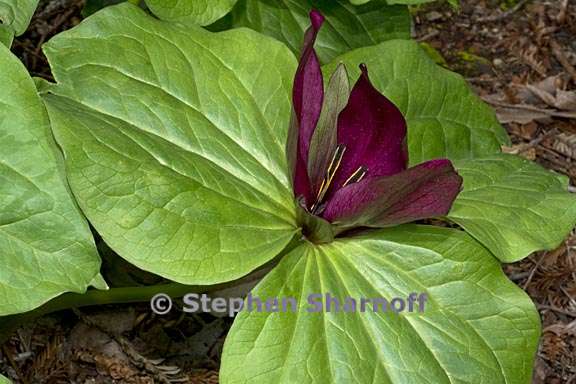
(356,176)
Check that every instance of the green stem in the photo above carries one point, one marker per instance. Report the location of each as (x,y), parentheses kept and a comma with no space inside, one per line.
(130,295)
(93,297)
(119,296)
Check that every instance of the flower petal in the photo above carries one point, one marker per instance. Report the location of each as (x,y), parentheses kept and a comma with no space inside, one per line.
(424,191)
(374,133)
(325,137)
(307,97)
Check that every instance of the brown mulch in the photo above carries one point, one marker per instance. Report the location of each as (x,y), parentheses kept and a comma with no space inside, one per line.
(520,56)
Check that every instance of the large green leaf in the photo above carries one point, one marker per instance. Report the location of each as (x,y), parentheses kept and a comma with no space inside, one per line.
(477,326)
(513,206)
(47,247)
(445,119)
(201,12)
(347,27)
(174,140)
(16,14)
(4,380)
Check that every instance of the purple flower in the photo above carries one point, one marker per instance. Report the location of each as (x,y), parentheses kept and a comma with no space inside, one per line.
(348,152)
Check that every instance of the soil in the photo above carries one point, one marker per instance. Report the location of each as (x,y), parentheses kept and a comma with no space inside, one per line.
(520,56)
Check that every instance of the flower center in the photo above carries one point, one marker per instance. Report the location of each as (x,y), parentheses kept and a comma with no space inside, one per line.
(333,167)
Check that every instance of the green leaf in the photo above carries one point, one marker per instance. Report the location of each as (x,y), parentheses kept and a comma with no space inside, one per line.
(6,35)
(174,140)
(513,206)
(201,12)
(477,326)
(47,247)
(4,380)
(347,27)
(445,118)
(16,14)
(93,6)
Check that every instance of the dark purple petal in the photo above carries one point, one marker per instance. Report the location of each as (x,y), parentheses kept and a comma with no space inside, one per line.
(298,172)
(374,133)
(424,191)
(307,97)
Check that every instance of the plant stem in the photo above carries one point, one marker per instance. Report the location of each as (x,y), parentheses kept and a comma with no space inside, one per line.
(119,295)
(94,297)
(132,295)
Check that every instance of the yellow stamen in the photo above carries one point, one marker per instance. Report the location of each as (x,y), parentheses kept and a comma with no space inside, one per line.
(330,172)
(356,176)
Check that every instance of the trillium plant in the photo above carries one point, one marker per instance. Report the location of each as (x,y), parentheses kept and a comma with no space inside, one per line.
(349,163)
(310,146)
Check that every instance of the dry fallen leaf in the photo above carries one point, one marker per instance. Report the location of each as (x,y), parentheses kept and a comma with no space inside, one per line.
(566,144)
(524,113)
(521,150)
(566,100)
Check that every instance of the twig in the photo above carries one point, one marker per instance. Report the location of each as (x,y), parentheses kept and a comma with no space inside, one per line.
(557,310)
(527,107)
(519,276)
(531,275)
(13,364)
(552,156)
(429,36)
(561,57)
(526,146)
(568,295)
(479,80)
(504,15)
(31,51)
(561,18)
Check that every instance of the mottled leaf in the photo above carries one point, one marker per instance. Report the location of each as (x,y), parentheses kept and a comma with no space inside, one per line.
(6,35)
(476,327)
(513,206)
(174,140)
(347,27)
(201,12)
(16,14)
(47,247)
